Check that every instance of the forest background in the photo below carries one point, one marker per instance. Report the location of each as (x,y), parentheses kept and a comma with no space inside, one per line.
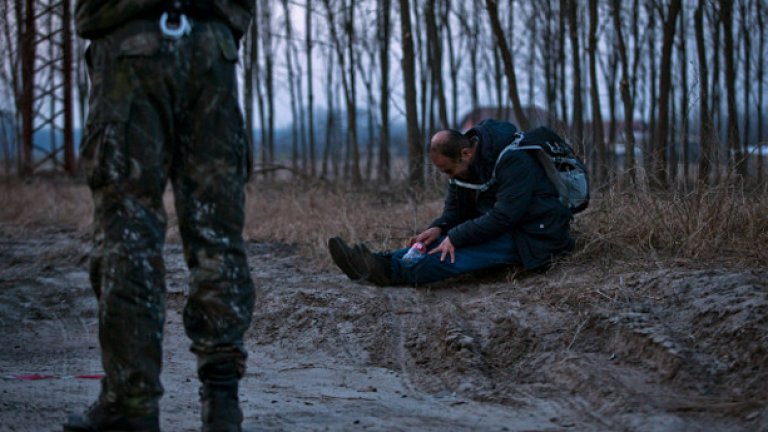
(650,93)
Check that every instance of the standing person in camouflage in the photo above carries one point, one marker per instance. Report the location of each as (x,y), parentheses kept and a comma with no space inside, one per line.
(163,106)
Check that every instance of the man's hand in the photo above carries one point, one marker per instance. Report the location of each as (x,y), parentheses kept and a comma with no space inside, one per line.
(427,236)
(445,248)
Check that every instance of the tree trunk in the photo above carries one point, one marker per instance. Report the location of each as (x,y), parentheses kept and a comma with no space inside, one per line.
(563,15)
(329,118)
(291,87)
(626,97)
(435,56)
(715,106)
(310,89)
(468,20)
(420,60)
(268,147)
(346,65)
(454,63)
(705,119)
(250,44)
(597,119)
(70,163)
(746,27)
(760,93)
(578,117)
(415,150)
(509,66)
(660,143)
(28,48)
(683,60)
(549,58)
(726,14)
(384,28)
(532,38)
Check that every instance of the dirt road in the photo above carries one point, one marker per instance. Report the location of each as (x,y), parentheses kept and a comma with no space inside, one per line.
(668,349)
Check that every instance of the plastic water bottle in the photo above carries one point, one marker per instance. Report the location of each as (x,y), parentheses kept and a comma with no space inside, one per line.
(416,251)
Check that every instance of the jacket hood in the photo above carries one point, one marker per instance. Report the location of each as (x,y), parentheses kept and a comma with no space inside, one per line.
(494,136)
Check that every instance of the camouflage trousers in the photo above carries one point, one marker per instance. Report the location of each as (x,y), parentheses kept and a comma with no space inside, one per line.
(165,110)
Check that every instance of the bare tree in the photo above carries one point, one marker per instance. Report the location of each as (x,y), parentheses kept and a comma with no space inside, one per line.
(383,31)
(28,88)
(578,119)
(309,44)
(435,58)
(366,73)
(291,86)
(682,60)
(415,150)
(561,58)
(726,15)
(626,96)
(714,18)
(660,142)
(705,119)
(268,145)
(454,61)
(509,65)
(745,8)
(347,66)
(597,118)
(250,64)
(330,116)
(471,29)
(760,14)
(548,54)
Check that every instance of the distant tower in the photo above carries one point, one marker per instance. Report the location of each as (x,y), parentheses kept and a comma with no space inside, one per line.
(46,99)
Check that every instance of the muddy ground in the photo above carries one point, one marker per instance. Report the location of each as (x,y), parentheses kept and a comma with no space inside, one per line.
(665,348)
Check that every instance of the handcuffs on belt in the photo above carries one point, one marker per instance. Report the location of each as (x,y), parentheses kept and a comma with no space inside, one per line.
(175,25)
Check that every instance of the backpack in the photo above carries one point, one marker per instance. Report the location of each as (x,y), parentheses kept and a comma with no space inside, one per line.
(566,171)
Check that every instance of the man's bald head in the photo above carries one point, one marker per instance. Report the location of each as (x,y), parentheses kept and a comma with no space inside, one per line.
(449,143)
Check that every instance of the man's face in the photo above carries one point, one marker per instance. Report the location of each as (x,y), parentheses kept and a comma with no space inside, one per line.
(454,169)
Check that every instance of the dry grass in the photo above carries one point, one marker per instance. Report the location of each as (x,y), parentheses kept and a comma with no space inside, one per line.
(724,226)
(44,202)
(307,215)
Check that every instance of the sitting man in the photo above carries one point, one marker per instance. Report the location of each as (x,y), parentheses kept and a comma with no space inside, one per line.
(496,213)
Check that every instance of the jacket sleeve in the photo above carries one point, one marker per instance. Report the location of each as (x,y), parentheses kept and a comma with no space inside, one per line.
(515,177)
(451,213)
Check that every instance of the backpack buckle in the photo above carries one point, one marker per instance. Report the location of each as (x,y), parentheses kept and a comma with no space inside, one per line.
(176,30)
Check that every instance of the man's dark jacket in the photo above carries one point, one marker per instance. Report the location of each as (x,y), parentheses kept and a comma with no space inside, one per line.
(522,202)
(94,18)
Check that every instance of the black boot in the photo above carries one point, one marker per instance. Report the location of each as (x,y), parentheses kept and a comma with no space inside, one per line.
(220,410)
(100,417)
(378,266)
(347,259)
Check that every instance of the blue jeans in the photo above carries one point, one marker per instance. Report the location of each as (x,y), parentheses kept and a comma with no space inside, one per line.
(495,253)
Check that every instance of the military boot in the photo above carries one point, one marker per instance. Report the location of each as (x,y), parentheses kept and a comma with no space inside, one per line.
(101,417)
(220,406)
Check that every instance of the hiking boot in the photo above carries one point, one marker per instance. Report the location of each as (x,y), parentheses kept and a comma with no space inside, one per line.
(347,259)
(100,417)
(378,266)
(220,405)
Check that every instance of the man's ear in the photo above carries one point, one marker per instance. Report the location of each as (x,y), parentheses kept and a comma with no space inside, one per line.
(467,153)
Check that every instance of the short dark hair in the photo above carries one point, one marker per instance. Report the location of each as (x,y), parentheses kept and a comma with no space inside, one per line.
(450,143)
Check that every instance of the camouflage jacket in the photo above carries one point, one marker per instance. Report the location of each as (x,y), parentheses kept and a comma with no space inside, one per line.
(94,18)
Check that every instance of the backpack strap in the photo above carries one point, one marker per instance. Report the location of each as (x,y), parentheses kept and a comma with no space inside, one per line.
(541,155)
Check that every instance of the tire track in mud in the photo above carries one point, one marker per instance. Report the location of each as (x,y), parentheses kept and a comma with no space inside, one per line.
(398,344)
